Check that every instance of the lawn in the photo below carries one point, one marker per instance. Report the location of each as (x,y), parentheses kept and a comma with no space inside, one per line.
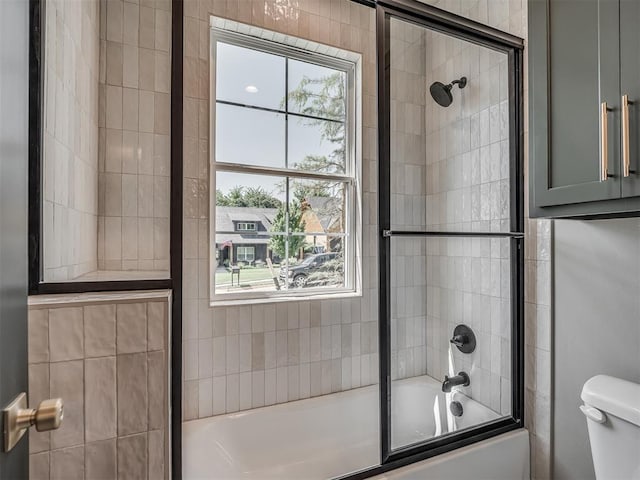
(247,275)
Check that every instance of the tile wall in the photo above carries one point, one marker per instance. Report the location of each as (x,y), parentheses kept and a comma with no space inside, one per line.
(511,16)
(134,132)
(408,206)
(246,356)
(70,139)
(106,356)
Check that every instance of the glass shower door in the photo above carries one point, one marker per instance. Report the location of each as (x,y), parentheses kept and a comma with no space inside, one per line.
(452,245)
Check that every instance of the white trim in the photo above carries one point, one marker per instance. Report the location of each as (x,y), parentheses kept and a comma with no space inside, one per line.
(300,49)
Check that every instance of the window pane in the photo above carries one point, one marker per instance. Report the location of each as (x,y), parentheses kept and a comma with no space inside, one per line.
(249,137)
(319,205)
(316,90)
(318,262)
(250,77)
(245,263)
(316,145)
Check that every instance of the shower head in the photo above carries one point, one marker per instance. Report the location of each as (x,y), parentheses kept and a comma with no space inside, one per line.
(441,93)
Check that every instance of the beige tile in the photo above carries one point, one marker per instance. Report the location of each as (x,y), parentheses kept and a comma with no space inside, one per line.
(146,113)
(162,72)
(113,156)
(114,20)
(114,64)
(113,195)
(145,196)
(162,112)
(67,464)
(146,72)
(129,122)
(132,393)
(100,398)
(131,327)
(39,391)
(38,331)
(156,326)
(157,389)
(130,66)
(39,466)
(147,27)
(100,460)
(129,238)
(161,194)
(66,334)
(129,197)
(131,27)
(163,30)
(99,330)
(113,236)
(156,440)
(132,457)
(161,238)
(145,238)
(114,107)
(67,382)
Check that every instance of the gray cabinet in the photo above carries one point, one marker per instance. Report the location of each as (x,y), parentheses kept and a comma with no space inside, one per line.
(584,55)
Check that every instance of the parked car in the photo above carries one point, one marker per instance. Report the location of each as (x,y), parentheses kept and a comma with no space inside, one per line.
(315,270)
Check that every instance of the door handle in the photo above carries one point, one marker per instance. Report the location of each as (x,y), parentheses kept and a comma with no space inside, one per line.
(17,418)
(604,142)
(626,142)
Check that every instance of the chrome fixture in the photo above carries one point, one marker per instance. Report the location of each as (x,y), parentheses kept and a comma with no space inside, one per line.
(461,379)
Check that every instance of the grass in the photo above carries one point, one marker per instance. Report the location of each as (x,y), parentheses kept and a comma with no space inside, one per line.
(223,276)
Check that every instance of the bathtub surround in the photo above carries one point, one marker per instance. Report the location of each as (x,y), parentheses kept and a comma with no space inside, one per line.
(134,89)
(106,355)
(106,135)
(219,346)
(70,139)
(246,356)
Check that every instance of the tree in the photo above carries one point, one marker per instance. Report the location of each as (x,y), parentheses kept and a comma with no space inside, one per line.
(278,243)
(247,197)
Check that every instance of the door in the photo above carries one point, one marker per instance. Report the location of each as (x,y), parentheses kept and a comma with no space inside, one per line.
(14,55)
(574,71)
(630,86)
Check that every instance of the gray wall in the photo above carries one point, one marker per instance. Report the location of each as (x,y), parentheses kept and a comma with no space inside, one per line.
(597,325)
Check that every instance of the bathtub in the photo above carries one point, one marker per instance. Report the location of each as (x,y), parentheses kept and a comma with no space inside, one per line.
(326,436)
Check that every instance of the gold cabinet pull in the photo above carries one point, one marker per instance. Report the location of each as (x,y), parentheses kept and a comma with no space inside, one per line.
(626,145)
(604,142)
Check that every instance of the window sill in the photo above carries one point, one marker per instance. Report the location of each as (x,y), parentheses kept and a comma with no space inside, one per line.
(281,299)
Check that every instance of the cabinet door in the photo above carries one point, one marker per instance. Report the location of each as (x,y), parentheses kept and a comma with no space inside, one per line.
(574,67)
(630,86)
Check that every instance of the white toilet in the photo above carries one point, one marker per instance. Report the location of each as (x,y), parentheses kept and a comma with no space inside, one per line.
(612,408)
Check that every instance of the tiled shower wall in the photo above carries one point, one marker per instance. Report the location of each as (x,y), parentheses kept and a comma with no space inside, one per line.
(408,207)
(511,16)
(134,129)
(70,138)
(468,190)
(106,356)
(246,356)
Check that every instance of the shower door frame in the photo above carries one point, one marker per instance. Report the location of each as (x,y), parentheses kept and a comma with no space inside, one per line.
(459,27)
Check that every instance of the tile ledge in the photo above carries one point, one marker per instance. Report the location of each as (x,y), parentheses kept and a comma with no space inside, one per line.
(97,298)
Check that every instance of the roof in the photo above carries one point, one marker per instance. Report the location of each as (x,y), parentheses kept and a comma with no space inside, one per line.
(327,209)
(226,217)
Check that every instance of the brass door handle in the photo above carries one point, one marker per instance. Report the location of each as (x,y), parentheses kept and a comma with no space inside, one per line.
(17,418)
(604,142)
(626,142)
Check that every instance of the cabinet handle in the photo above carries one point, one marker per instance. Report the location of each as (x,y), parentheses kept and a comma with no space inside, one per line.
(604,142)
(626,145)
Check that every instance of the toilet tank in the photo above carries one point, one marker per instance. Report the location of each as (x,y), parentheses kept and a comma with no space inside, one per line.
(612,408)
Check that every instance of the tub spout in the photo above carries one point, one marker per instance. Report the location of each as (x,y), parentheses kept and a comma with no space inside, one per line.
(449,382)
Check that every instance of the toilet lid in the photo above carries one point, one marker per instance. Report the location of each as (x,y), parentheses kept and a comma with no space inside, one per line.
(615,396)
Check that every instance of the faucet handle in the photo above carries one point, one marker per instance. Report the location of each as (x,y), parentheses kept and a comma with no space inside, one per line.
(459,340)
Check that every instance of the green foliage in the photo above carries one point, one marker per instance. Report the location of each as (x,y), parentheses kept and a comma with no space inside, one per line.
(296,225)
(247,197)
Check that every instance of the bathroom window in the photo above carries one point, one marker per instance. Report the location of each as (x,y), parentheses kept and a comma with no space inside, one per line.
(284,169)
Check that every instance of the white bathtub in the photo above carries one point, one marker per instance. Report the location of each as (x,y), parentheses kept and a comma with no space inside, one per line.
(323,437)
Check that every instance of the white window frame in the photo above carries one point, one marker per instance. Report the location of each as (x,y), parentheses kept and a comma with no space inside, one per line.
(244,227)
(247,36)
(245,249)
